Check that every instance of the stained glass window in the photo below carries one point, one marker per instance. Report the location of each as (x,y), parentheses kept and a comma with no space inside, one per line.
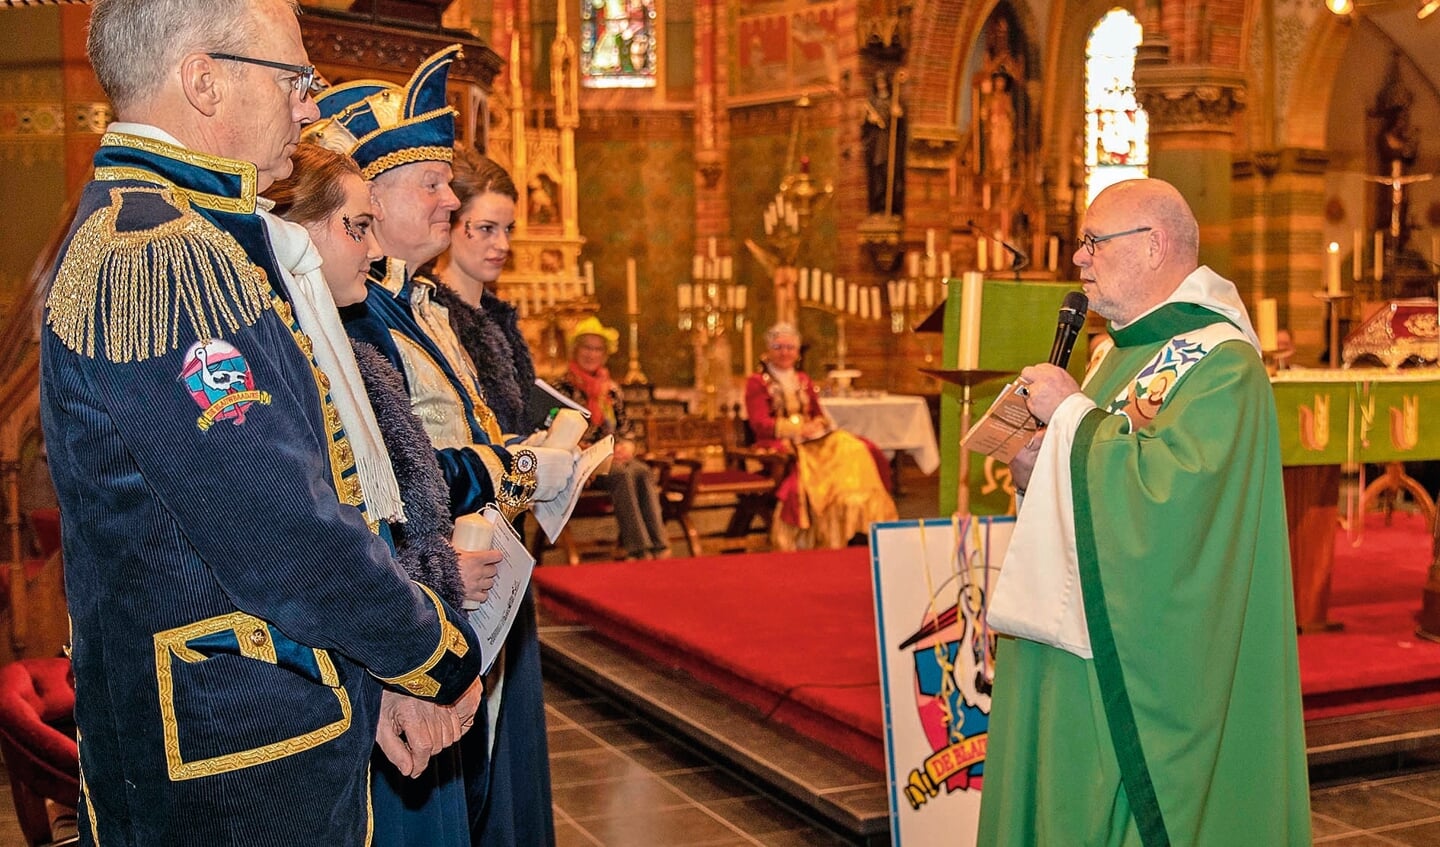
(1117,131)
(617,43)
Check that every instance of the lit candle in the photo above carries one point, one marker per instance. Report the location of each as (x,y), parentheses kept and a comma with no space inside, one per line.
(749,346)
(875,301)
(1266,325)
(632,294)
(929,242)
(589,279)
(1357,261)
(1054,252)
(1332,268)
(971,294)
(1379,255)
(945,264)
(982,253)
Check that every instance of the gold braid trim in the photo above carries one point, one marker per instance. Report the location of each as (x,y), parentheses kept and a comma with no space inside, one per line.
(342,454)
(407,156)
(246,171)
(172,644)
(452,640)
(150,289)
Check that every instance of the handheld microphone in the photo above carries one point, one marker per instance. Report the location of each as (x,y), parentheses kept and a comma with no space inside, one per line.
(1072,319)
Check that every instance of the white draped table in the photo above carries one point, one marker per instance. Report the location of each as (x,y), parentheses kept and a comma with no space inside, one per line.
(896,423)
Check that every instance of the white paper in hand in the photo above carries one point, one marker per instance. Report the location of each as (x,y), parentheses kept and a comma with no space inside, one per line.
(552,514)
(493,619)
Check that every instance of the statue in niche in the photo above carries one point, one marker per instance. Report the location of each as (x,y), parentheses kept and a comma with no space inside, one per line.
(999,104)
(542,206)
(1000,123)
(883,137)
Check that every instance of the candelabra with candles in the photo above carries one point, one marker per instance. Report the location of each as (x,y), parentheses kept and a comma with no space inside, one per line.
(824,292)
(548,305)
(914,296)
(711,305)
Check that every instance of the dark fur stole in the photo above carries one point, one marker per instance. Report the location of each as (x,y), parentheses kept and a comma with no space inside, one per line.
(507,317)
(422,543)
(494,358)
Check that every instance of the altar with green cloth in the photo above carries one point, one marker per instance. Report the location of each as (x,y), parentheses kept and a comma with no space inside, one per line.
(1329,419)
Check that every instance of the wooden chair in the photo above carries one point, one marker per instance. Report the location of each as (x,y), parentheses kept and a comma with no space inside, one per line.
(37,703)
(593,503)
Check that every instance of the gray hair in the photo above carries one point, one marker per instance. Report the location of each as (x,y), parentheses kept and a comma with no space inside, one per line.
(134,44)
(780,330)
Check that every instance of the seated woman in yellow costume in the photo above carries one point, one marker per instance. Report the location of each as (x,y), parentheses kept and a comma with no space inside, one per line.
(840,483)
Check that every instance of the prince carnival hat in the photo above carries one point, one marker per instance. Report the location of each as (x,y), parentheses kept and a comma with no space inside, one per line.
(382,125)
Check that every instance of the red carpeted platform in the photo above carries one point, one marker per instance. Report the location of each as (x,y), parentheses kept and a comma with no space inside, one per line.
(793,634)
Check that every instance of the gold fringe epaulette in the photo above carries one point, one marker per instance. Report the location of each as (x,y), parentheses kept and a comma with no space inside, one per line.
(141,287)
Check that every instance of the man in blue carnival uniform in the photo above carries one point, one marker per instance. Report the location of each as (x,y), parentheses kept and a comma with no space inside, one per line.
(234,614)
(402,138)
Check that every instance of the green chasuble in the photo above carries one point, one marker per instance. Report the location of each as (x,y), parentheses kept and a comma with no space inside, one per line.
(1186,727)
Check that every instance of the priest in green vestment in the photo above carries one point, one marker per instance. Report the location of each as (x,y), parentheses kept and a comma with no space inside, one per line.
(1148,690)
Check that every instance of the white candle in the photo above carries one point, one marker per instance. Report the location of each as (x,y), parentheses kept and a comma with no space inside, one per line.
(945,264)
(589,279)
(929,266)
(1054,253)
(972,290)
(864,305)
(894,291)
(1332,268)
(828,283)
(1357,261)
(1266,325)
(697,267)
(632,294)
(875,302)
(913,260)
(725,267)
(929,242)
(740,297)
(749,346)
(929,293)
(683,294)
(982,253)
(1379,255)
(985,195)
(710,247)
(912,294)
(997,252)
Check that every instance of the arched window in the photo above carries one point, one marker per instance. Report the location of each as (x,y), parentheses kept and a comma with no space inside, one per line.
(1117,131)
(617,43)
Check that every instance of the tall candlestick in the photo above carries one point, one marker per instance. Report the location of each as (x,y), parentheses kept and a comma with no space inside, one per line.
(1332,268)
(1266,325)
(1054,253)
(1379,255)
(632,294)
(972,292)
(1357,261)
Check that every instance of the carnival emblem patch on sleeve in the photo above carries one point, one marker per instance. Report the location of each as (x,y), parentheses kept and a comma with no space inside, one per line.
(220,382)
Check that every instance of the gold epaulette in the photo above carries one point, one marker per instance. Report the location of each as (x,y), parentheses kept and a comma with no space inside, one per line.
(141,286)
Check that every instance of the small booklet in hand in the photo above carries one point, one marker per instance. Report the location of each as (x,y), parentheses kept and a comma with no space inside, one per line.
(1005,427)
(493,618)
(552,514)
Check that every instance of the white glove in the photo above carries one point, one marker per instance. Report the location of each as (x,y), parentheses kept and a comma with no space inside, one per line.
(553,468)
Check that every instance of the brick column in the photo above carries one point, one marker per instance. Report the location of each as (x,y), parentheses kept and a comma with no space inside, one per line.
(1192,130)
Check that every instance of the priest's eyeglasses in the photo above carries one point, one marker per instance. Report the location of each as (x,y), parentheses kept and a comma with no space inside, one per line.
(304,80)
(1089,241)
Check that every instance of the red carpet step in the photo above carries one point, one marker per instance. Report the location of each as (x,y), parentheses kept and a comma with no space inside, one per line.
(793,634)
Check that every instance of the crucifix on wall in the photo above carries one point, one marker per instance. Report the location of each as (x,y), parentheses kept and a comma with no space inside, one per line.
(1397,183)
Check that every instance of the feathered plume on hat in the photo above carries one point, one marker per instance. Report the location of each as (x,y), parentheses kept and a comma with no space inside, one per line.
(382,125)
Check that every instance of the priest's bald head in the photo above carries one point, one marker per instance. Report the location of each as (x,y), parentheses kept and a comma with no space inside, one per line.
(1138,242)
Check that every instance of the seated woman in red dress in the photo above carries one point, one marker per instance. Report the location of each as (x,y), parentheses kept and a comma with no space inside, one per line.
(839,485)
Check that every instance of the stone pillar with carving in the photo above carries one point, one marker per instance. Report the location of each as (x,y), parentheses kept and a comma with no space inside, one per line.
(1192,112)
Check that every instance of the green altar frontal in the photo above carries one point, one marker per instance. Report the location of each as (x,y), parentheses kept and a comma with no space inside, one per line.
(1017,328)
(1338,417)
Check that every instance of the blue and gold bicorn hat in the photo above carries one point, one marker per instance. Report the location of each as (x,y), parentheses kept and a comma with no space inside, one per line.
(382,125)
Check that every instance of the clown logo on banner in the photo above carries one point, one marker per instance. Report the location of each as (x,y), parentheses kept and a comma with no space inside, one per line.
(220,382)
(932,579)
